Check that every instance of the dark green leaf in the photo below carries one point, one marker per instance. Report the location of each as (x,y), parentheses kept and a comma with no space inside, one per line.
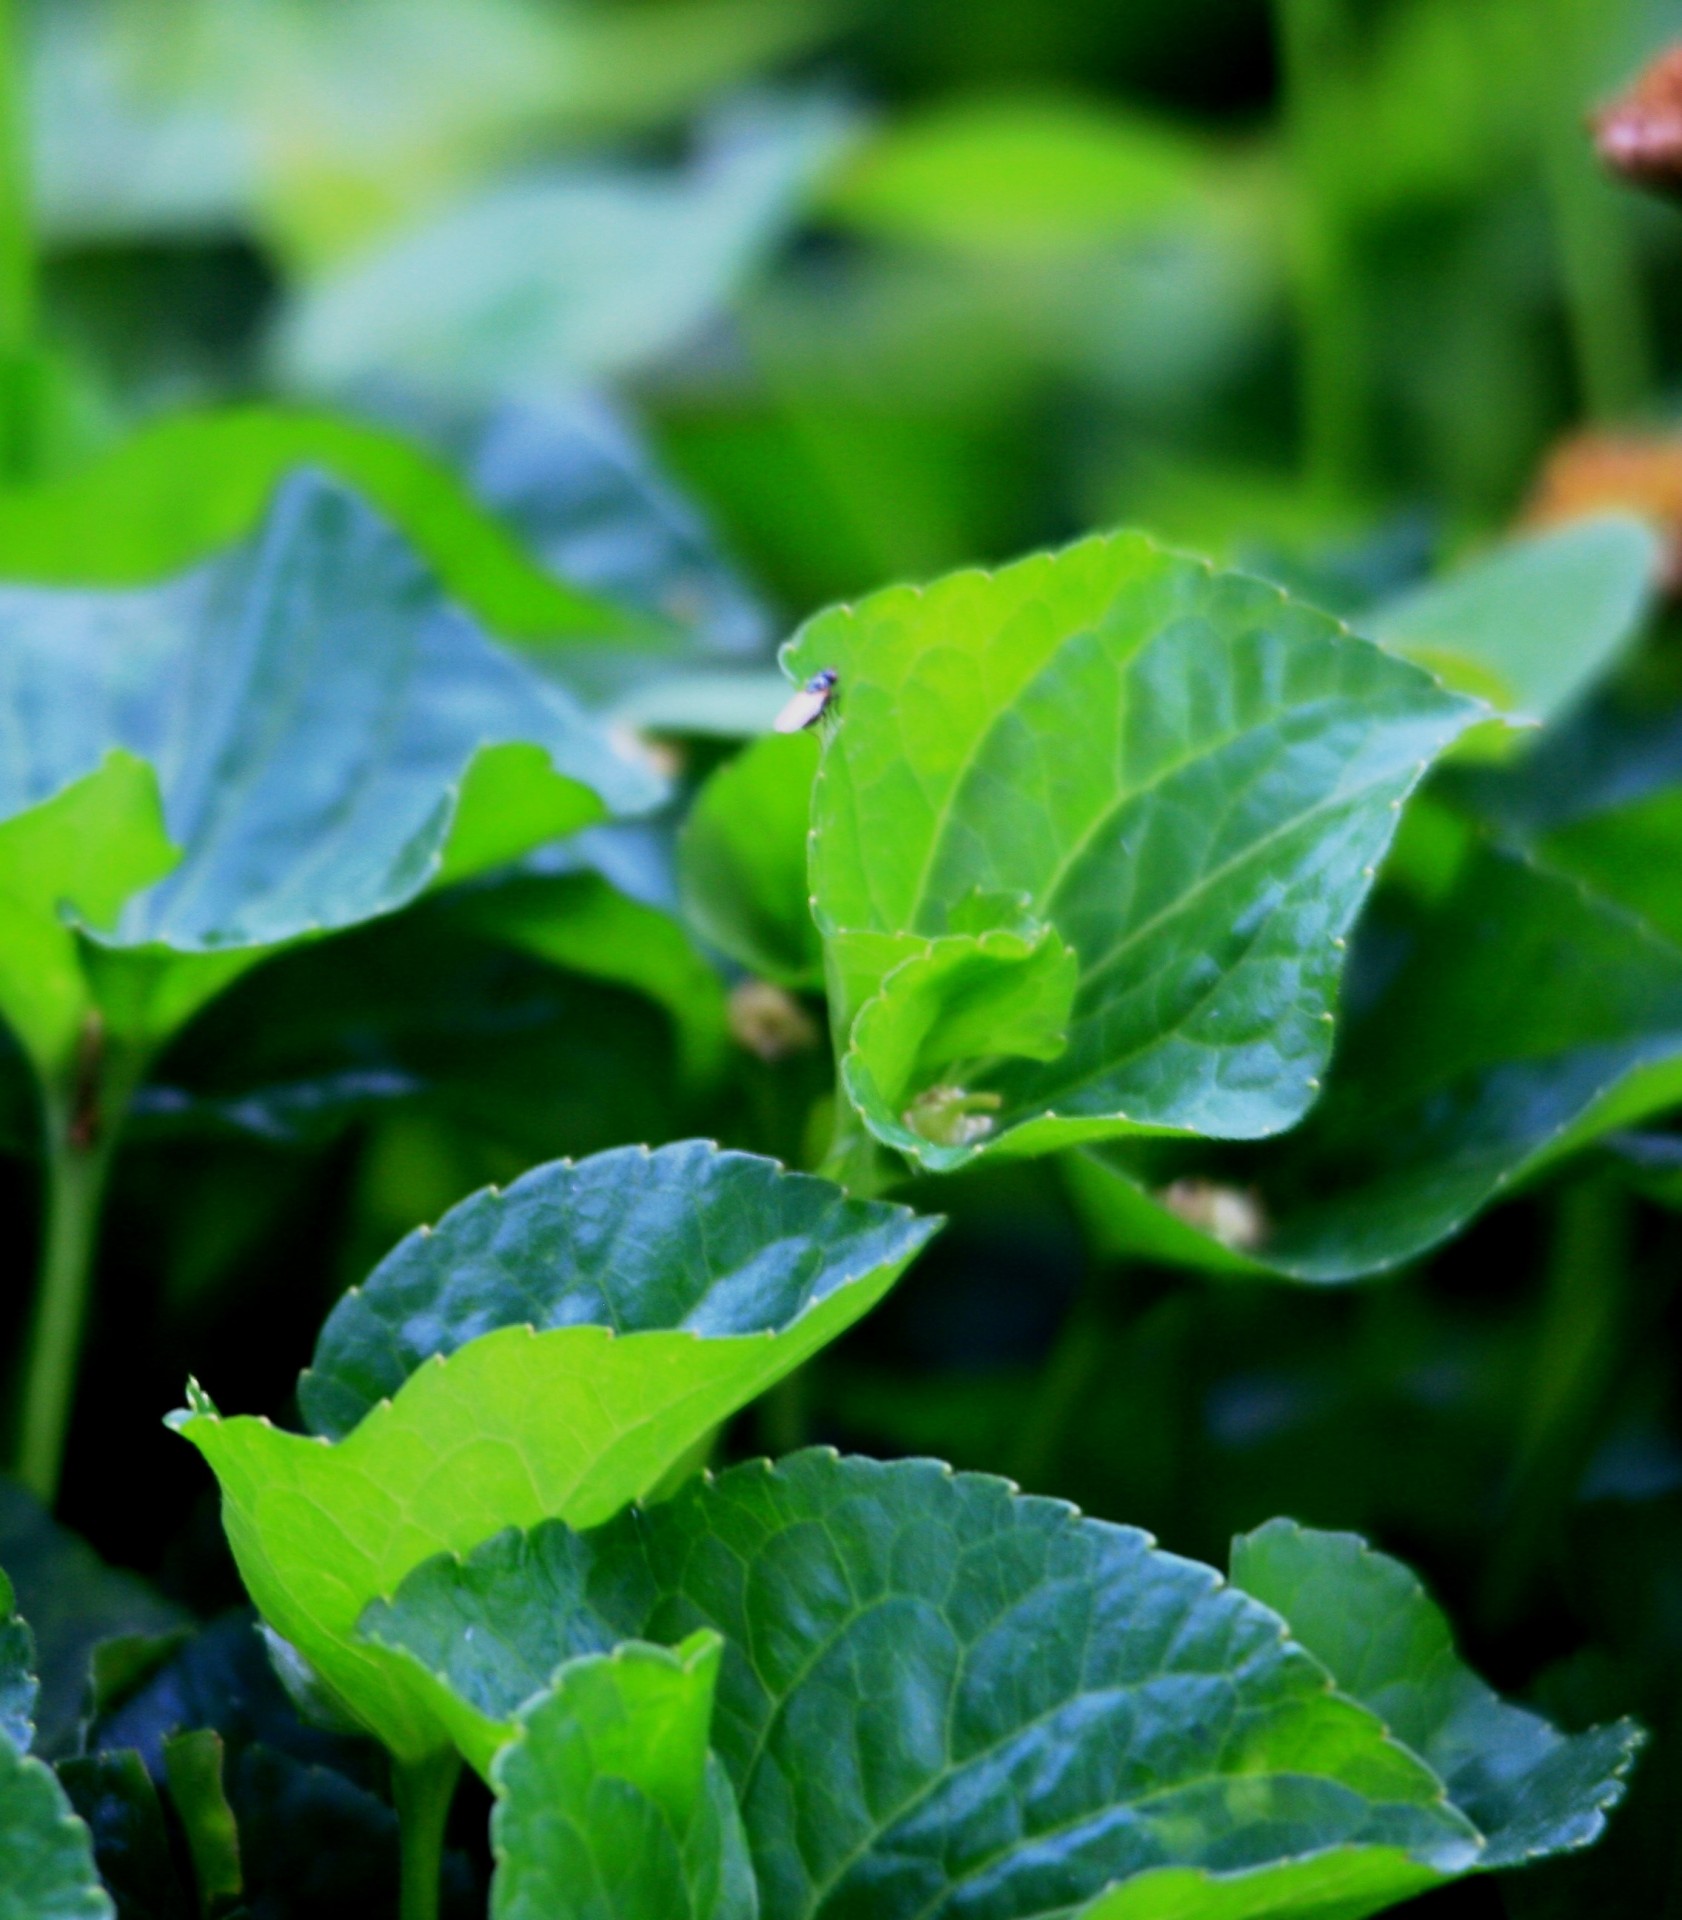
(939,1696)
(1182,775)
(46,1859)
(1526,1787)
(611,1806)
(1531,1018)
(18,1685)
(74,1604)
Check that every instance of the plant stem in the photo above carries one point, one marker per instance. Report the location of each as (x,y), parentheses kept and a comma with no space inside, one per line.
(423,1790)
(1314,39)
(1579,1347)
(1070,1371)
(76,1166)
(18,272)
(1598,269)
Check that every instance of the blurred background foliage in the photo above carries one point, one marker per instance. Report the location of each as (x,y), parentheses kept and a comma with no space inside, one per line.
(727,308)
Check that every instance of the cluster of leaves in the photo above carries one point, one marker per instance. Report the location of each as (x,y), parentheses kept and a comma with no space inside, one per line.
(391,829)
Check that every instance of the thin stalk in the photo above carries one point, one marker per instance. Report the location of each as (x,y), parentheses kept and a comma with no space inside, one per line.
(423,1790)
(1579,1348)
(1071,1370)
(77,1161)
(1315,40)
(1598,269)
(18,265)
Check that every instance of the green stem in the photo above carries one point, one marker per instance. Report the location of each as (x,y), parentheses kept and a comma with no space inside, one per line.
(1071,1370)
(1579,1346)
(76,1167)
(1315,47)
(18,267)
(423,1790)
(1598,268)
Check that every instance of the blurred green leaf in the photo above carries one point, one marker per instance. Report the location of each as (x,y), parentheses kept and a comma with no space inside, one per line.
(193,1766)
(178,490)
(1042,174)
(18,1685)
(1184,775)
(1530,626)
(610,1806)
(541,283)
(560,1346)
(331,736)
(742,861)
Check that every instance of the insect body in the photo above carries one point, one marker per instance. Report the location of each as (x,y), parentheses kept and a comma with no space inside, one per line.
(810,704)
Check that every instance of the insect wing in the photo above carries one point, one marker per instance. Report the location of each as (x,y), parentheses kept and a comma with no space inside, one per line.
(807,705)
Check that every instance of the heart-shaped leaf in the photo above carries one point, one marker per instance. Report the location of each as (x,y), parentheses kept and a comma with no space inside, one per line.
(938,1695)
(1180,776)
(610,1806)
(1529,1789)
(317,731)
(554,1349)
(1530,1018)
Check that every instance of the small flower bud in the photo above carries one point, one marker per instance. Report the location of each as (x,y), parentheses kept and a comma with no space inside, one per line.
(770,1022)
(1639,136)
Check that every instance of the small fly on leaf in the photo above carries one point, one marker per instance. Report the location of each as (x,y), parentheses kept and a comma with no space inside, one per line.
(810,704)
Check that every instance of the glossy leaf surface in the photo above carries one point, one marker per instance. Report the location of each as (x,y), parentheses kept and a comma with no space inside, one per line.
(939,1696)
(1529,1789)
(1530,1018)
(1182,775)
(610,1806)
(579,1334)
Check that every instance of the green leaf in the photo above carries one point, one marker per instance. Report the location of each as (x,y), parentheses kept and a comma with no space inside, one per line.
(534,285)
(1182,775)
(581,921)
(329,737)
(114,1795)
(18,1685)
(938,1695)
(1532,625)
(46,1859)
(1035,175)
(193,1766)
(76,1606)
(610,1806)
(549,1350)
(742,861)
(1529,1789)
(1531,1018)
(188,485)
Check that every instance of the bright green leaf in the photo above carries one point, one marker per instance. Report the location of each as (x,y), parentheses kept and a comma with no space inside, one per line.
(551,1350)
(193,1765)
(1531,625)
(610,1806)
(1035,174)
(1184,775)
(938,1695)
(1529,1789)
(742,861)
